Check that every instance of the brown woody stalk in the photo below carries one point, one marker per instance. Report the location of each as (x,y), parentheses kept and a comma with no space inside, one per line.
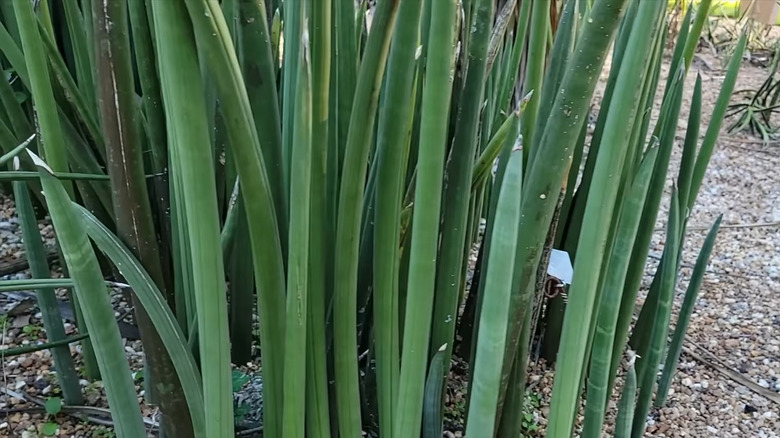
(132,210)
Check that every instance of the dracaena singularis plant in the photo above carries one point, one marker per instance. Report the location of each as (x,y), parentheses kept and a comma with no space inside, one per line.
(319,171)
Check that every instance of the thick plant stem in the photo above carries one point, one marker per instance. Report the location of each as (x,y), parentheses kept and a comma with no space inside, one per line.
(151,104)
(132,210)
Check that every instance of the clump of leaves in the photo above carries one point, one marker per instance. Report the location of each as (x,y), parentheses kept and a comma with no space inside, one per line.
(531,404)
(723,28)
(51,379)
(33,330)
(93,391)
(240,409)
(93,387)
(103,432)
(754,112)
(456,410)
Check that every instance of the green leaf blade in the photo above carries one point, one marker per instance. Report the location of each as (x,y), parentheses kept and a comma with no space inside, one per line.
(96,307)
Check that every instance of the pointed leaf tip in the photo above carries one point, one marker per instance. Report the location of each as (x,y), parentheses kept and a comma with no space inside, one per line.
(38,161)
(28,140)
(631,357)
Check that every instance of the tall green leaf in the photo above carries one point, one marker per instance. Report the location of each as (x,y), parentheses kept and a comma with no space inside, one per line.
(457,193)
(392,151)
(534,76)
(46,298)
(321,261)
(96,307)
(267,249)
(191,157)
(498,287)
(625,415)
(298,264)
(152,299)
(692,41)
(436,97)
(660,328)
(48,122)
(716,119)
(594,236)
(351,191)
(691,141)
(615,275)
(665,133)
(432,410)
(543,182)
(259,71)
(675,347)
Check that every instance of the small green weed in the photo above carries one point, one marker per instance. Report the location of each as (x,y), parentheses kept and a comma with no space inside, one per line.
(93,388)
(240,410)
(103,432)
(456,410)
(532,403)
(53,407)
(33,330)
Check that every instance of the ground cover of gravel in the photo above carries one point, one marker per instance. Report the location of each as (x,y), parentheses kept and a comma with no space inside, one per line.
(728,381)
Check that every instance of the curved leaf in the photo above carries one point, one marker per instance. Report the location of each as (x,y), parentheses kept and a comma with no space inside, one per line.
(159,312)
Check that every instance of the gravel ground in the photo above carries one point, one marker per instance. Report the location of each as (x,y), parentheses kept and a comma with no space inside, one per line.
(738,309)
(29,379)
(730,353)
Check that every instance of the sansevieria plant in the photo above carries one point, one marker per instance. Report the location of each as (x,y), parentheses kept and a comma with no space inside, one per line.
(320,171)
